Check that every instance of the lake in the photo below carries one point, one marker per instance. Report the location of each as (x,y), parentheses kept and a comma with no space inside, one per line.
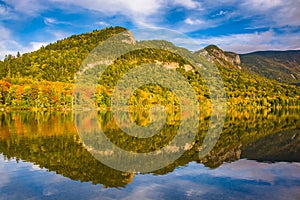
(42,156)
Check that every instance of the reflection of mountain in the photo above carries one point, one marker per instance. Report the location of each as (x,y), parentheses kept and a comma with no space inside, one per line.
(51,141)
(241,128)
(282,146)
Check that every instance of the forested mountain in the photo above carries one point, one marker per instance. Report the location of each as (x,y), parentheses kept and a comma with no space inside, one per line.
(283,66)
(44,78)
(58,61)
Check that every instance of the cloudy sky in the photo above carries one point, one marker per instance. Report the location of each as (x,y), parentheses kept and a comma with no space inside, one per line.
(234,25)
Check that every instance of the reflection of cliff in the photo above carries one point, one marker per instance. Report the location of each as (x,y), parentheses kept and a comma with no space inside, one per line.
(241,128)
(50,141)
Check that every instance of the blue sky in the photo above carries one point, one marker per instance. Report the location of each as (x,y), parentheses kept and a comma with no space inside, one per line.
(234,25)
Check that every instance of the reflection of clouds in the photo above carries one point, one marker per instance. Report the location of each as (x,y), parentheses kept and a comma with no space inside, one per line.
(163,187)
(289,193)
(4,176)
(252,170)
(25,176)
(146,192)
(194,192)
(194,189)
(247,170)
(243,179)
(34,167)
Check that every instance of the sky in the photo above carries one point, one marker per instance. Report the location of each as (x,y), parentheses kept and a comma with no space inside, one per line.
(240,26)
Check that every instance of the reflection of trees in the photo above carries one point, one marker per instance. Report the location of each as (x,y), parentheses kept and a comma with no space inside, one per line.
(241,129)
(50,140)
(54,144)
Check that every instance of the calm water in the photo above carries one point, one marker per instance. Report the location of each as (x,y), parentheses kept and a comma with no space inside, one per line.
(256,157)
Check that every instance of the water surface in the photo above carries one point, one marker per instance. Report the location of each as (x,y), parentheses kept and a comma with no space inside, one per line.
(256,157)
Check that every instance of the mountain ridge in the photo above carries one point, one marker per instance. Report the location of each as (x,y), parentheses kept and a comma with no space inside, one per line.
(282,66)
(24,78)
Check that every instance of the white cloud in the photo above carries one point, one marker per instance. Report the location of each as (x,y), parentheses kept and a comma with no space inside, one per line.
(28,7)
(151,12)
(189,4)
(263,4)
(5,33)
(289,14)
(267,13)
(35,46)
(142,13)
(221,12)
(3,10)
(58,35)
(274,13)
(102,23)
(193,22)
(248,42)
(49,21)
(8,45)
(136,10)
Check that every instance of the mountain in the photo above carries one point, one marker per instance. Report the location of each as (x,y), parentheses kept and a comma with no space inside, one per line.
(44,78)
(58,61)
(283,66)
(222,58)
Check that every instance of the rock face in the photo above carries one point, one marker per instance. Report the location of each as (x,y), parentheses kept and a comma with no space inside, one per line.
(282,66)
(129,37)
(226,59)
(232,58)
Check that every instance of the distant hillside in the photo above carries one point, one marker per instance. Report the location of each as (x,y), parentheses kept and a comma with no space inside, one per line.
(283,66)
